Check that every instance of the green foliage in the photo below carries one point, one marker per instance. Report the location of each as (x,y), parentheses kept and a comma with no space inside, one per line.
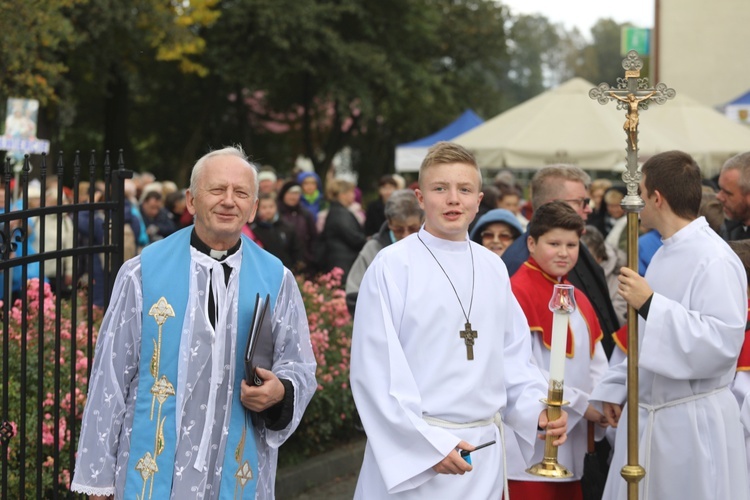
(329,418)
(601,60)
(166,81)
(35,34)
(41,305)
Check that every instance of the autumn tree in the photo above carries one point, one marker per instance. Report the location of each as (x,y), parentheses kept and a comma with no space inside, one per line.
(35,33)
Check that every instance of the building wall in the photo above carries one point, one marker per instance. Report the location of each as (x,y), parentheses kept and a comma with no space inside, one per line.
(704,48)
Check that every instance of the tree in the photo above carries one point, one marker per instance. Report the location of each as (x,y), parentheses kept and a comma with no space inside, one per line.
(120,45)
(35,34)
(337,72)
(600,60)
(169,80)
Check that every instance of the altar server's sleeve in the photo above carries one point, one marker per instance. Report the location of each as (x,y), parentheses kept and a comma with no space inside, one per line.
(703,339)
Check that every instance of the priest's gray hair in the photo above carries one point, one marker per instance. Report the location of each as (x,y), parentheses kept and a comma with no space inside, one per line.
(741,163)
(227,151)
(403,204)
(547,185)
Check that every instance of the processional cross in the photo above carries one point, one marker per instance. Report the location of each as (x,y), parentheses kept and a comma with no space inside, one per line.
(632,93)
(469,335)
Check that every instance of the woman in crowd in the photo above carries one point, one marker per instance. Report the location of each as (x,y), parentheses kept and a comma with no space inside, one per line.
(496,230)
(342,237)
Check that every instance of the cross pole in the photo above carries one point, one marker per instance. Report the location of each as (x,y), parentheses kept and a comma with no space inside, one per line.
(632,94)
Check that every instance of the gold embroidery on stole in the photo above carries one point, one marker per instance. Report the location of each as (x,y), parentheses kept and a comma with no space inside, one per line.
(160,391)
(244,472)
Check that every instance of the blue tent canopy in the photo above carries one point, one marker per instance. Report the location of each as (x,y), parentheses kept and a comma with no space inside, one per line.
(739,109)
(409,156)
(743,99)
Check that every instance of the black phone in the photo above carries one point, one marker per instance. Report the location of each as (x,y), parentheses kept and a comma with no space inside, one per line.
(465,453)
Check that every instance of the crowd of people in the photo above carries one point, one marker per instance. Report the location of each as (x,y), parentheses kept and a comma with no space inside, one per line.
(448,282)
(429,392)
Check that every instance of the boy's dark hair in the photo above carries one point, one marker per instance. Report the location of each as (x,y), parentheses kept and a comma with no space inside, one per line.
(555,215)
(677,177)
(742,249)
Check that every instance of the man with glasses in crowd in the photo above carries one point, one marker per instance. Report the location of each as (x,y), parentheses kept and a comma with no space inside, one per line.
(569,183)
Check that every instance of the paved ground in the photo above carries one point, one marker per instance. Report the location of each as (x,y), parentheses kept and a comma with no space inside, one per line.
(340,488)
(330,476)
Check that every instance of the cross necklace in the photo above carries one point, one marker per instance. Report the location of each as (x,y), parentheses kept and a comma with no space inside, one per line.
(467,333)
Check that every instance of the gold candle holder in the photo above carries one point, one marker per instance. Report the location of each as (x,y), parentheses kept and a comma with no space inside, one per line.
(549,467)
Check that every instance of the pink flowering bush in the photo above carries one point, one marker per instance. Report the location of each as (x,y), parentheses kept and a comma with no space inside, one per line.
(41,307)
(329,419)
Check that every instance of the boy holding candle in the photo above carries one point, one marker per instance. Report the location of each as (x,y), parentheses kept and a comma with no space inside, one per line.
(553,242)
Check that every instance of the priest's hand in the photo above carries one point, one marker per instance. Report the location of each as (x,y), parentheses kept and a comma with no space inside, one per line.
(259,398)
(612,413)
(557,428)
(454,463)
(633,287)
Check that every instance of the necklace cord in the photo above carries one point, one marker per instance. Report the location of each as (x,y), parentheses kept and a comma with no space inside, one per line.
(473,277)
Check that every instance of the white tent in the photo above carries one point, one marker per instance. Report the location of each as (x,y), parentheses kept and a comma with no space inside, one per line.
(565,125)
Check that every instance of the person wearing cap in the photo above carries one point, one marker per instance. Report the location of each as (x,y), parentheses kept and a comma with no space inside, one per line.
(266,182)
(342,237)
(496,230)
(312,197)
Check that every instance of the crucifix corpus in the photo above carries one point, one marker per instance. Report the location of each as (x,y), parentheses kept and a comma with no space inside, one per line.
(469,335)
(632,94)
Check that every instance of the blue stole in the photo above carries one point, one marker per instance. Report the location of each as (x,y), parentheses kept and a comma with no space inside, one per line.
(165,270)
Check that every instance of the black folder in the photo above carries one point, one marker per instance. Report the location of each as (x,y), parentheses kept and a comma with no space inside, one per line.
(259,350)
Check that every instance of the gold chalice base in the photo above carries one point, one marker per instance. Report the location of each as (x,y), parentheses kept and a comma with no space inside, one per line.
(549,469)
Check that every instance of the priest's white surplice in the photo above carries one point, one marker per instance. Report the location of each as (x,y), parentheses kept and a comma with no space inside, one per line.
(409,363)
(691,441)
(108,417)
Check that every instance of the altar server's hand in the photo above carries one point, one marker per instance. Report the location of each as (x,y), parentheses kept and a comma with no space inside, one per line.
(633,287)
(454,463)
(557,428)
(259,398)
(612,412)
(593,415)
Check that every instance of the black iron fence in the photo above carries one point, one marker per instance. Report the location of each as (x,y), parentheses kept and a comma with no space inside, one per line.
(59,256)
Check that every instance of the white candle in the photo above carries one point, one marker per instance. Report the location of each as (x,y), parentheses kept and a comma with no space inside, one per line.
(559,343)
